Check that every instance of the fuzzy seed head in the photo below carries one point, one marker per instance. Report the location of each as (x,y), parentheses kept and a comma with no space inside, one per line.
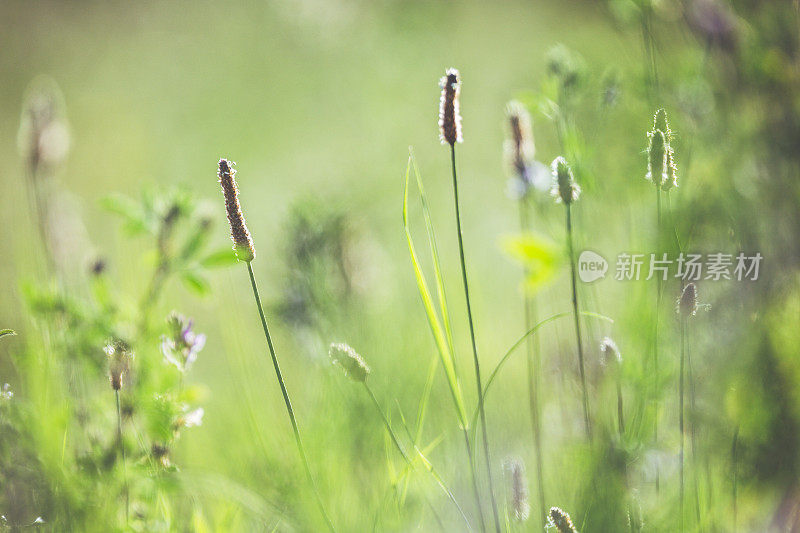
(687,303)
(560,520)
(242,242)
(519,489)
(610,352)
(660,122)
(353,365)
(564,188)
(520,147)
(119,357)
(671,179)
(449,108)
(656,158)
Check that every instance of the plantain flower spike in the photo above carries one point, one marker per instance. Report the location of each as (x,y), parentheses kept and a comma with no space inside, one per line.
(520,147)
(610,352)
(560,520)
(119,357)
(242,242)
(656,158)
(687,303)
(671,178)
(564,188)
(660,122)
(449,109)
(519,489)
(353,365)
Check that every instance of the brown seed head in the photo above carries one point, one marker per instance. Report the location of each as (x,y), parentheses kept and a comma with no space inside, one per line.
(520,145)
(449,111)
(354,366)
(242,242)
(560,520)
(564,188)
(519,489)
(119,356)
(687,303)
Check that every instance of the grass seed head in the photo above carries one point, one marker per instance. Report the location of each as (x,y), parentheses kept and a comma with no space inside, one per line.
(242,242)
(520,146)
(353,365)
(656,158)
(449,109)
(560,520)
(660,122)
(564,187)
(119,356)
(671,179)
(610,351)
(687,303)
(519,489)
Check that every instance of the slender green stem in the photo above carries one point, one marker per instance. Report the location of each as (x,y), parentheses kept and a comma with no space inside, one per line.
(286,400)
(620,410)
(576,314)
(734,474)
(692,434)
(472,339)
(533,379)
(409,461)
(680,406)
(474,477)
(122,453)
(659,290)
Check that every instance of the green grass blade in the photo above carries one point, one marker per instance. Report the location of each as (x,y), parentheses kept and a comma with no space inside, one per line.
(519,342)
(439,334)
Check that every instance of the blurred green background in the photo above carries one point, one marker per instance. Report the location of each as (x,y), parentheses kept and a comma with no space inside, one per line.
(318,102)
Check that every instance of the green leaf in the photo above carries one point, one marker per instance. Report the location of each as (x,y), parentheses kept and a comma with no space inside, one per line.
(221,258)
(195,282)
(539,257)
(439,333)
(9,332)
(134,217)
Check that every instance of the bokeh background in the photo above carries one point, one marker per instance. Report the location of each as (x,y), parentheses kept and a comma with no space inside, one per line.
(318,102)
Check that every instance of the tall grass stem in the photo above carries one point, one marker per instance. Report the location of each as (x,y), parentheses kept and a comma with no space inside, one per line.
(576,314)
(286,400)
(533,378)
(472,340)
(122,453)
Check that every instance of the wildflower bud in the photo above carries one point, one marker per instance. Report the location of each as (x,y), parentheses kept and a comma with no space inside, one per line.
(564,187)
(687,303)
(449,113)
(242,242)
(119,356)
(610,351)
(560,520)
(660,122)
(671,179)
(354,366)
(520,147)
(656,158)
(519,489)
(6,393)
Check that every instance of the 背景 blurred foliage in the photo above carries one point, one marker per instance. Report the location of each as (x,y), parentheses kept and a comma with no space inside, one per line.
(112,119)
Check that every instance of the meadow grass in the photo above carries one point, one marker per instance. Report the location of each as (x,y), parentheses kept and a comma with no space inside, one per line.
(195,443)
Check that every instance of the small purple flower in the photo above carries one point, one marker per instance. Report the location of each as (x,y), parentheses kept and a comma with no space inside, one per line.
(182,345)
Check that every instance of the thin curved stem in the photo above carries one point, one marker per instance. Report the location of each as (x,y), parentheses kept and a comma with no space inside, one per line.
(659,293)
(533,379)
(286,400)
(472,339)
(408,460)
(122,453)
(576,314)
(680,418)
